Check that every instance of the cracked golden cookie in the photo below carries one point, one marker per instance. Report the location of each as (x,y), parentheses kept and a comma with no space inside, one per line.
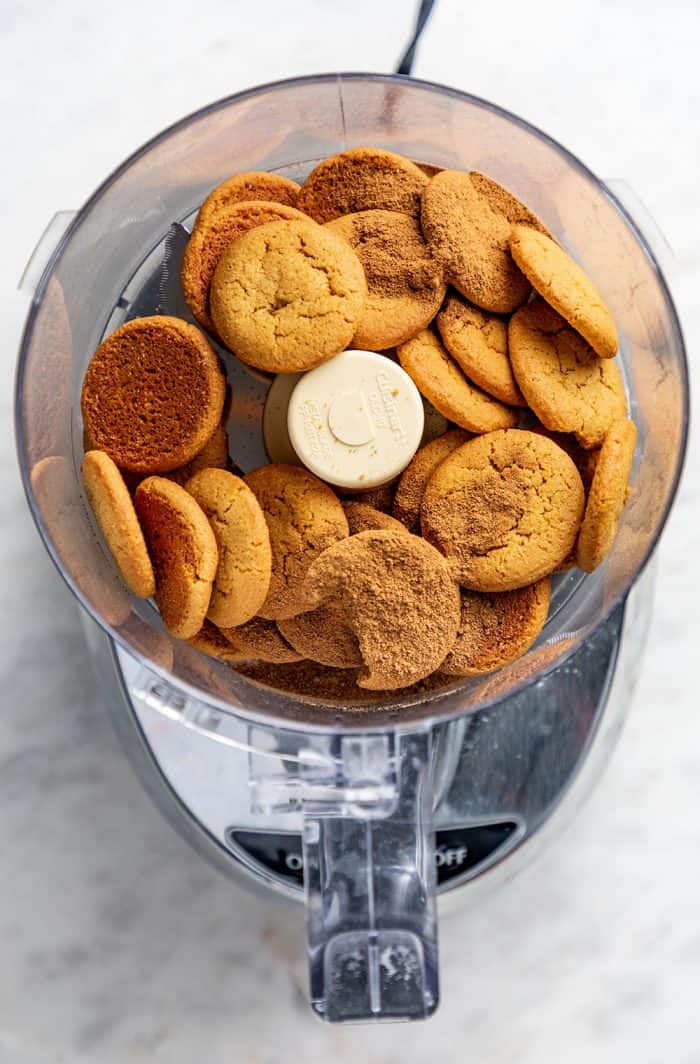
(323,635)
(242,579)
(566,287)
(260,640)
(153,394)
(504,508)
(287,296)
(209,240)
(467,219)
(441,381)
(304,517)
(478,342)
(362,179)
(607,495)
(399,598)
(111,502)
(404,283)
(364,518)
(253,185)
(496,628)
(411,487)
(567,386)
(184,552)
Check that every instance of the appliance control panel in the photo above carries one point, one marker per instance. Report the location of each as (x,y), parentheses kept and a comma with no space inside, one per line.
(458,850)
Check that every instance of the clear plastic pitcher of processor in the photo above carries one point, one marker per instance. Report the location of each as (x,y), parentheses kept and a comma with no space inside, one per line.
(361,772)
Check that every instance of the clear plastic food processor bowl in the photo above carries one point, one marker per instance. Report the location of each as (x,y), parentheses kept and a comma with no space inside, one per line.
(361,774)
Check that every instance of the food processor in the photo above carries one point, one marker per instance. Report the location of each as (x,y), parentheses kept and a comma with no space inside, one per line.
(372,811)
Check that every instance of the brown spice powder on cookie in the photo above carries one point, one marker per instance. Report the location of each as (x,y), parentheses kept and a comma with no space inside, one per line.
(364,518)
(415,477)
(497,628)
(323,635)
(404,283)
(399,598)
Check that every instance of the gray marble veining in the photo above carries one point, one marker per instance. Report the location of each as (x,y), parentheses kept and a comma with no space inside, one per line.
(118,943)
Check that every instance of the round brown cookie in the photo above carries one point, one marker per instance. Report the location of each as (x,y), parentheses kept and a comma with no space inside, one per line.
(253,185)
(213,455)
(398,597)
(61,507)
(323,635)
(260,640)
(409,493)
(286,296)
(607,495)
(467,225)
(566,287)
(478,342)
(504,508)
(442,382)
(379,498)
(184,552)
(210,238)
(362,179)
(210,641)
(497,628)
(364,518)
(109,498)
(404,283)
(304,517)
(153,394)
(568,387)
(245,559)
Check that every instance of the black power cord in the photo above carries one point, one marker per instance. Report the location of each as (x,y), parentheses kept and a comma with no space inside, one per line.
(406,63)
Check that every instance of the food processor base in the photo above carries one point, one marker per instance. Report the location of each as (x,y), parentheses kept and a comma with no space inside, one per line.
(507,776)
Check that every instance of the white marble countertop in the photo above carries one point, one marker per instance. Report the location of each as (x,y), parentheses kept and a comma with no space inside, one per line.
(119,944)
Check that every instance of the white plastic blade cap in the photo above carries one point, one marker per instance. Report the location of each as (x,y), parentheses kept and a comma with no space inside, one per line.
(357,420)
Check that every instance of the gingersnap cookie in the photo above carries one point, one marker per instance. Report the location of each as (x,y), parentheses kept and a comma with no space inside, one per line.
(153,394)
(323,635)
(411,487)
(210,238)
(568,387)
(380,498)
(242,579)
(213,455)
(111,503)
(504,508)
(399,598)
(404,283)
(362,179)
(478,342)
(286,296)
(364,518)
(467,219)
(566,287)
(607,495)
(184,553)
(210,641)
(442,382)
(304,517)
(496,628)
(253,185)
(260,640)
(62,511)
